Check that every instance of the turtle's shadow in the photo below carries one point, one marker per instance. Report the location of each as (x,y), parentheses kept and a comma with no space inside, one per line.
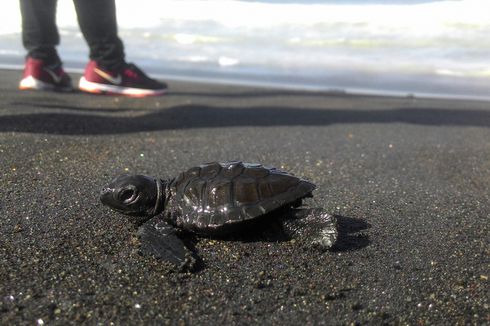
(350,235)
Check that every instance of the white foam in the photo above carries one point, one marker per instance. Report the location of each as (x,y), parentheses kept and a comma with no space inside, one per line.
(441,46)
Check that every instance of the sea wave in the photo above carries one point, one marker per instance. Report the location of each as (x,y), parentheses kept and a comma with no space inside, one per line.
(370,45)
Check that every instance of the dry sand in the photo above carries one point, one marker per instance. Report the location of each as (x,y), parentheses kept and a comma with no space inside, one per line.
(408,179)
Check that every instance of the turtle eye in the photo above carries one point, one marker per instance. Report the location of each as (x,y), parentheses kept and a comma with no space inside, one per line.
(126,195)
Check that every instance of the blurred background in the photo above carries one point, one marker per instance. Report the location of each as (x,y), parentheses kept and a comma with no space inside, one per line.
(422,48)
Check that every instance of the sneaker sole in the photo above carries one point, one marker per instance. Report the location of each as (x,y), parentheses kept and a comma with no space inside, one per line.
(96,88)
(31,83)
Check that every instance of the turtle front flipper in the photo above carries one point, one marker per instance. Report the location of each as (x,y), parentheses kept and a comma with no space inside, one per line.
(312,227)
(160,240)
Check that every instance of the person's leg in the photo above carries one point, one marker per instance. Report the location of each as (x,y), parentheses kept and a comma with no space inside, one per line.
(97,20)
(107,72)
(39,31)
(43,69)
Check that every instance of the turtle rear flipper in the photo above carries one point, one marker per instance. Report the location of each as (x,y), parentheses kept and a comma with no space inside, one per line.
(160,240)
(312,227)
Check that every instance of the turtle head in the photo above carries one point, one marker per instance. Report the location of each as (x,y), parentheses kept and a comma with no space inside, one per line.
(135,195)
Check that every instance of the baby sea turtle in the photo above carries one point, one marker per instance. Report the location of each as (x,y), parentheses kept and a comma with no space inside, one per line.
(216,199)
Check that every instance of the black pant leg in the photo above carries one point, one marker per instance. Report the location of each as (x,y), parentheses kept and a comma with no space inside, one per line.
(39,32)
(98,23)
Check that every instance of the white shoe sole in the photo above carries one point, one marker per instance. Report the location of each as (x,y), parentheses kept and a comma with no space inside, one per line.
(31,83)
(96,88)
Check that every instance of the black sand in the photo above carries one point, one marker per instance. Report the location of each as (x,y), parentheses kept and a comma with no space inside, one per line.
(408,178)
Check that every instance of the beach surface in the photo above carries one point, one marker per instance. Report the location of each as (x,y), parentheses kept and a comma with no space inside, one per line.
(407,178)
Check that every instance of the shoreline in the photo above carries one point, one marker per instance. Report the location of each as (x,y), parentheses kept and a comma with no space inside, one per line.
(281,82)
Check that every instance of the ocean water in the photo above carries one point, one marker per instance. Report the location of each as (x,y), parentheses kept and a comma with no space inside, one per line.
(390,47)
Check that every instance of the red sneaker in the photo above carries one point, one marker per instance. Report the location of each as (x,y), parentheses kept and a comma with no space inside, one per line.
(129,81)
(40,76)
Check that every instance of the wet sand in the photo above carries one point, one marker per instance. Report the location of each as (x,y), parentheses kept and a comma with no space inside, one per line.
(407,178)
